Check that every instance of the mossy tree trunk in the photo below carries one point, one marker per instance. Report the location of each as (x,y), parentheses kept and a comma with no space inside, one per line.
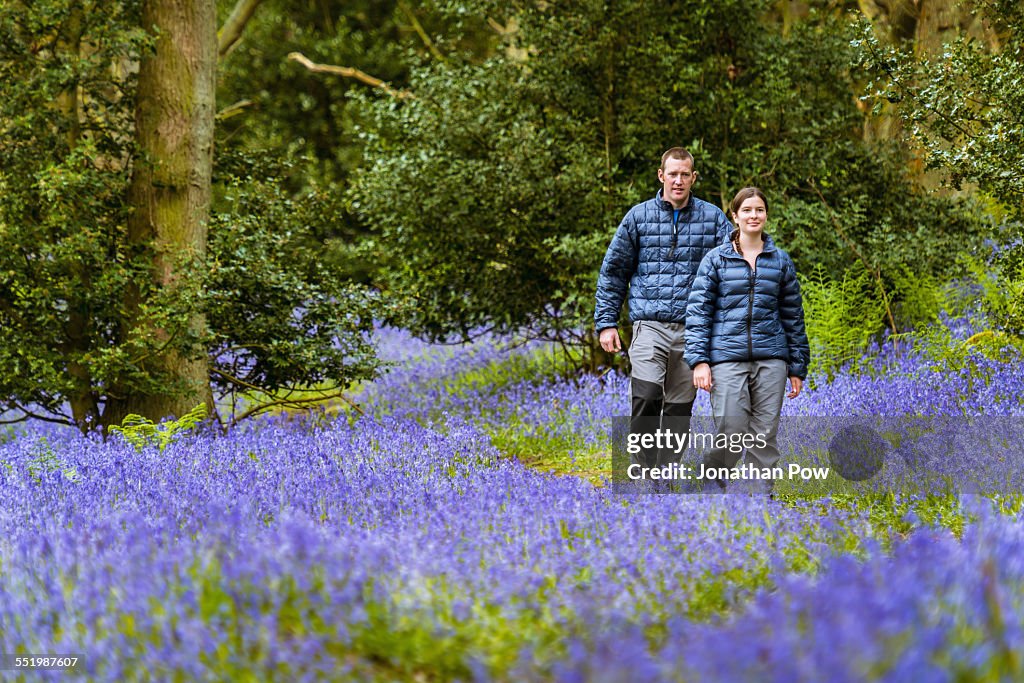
(169,195)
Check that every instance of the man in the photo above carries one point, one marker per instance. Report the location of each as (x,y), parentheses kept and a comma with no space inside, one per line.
(654,255)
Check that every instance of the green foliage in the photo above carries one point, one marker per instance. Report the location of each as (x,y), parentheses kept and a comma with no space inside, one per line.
(842,316)
(65,268)
(919,299)
(999,283)
(990,296)
(969,358)
(270,102)
(963,106)
(141,432)
(281,319)
(964,110)
(45,460)
(283,106)
(513,171)
(82,317)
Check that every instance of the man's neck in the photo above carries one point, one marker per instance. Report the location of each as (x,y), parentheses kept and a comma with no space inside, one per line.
(681,204)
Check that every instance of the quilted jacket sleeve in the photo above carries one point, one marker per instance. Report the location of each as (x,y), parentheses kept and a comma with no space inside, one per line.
(618,267)
(791,313)
(700,309)
(723,228)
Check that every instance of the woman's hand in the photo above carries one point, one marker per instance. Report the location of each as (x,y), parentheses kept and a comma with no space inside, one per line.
(702,376)
(797,384)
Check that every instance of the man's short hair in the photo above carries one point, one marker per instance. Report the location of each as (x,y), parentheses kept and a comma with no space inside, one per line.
(676,153)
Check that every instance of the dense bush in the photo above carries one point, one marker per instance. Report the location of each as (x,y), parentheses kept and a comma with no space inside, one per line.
(515,171)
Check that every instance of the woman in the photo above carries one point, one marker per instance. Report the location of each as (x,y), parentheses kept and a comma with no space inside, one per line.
(744,336)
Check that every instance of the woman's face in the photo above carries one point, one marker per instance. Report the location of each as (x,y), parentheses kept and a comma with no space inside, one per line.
(751,217)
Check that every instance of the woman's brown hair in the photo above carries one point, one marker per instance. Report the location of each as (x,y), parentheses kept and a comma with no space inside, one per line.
(745,194)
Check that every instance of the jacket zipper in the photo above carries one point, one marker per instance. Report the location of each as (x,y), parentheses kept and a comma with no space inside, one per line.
(675,232)
(750,308)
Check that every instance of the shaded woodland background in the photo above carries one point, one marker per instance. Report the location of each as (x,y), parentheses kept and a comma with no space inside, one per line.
(205,201)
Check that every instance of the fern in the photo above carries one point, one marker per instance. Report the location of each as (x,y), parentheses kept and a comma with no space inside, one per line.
(841,318)
(1001,286)
(141,432)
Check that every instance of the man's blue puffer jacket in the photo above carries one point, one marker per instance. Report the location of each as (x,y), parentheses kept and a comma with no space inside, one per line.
(656,257)
(739,314)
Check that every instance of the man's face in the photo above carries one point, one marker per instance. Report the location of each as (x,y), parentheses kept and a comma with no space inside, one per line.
(676,178)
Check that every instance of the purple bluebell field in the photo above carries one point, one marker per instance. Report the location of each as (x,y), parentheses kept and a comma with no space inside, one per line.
(462,530)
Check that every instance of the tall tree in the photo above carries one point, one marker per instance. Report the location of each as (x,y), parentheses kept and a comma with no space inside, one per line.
(120,290)
(170,191)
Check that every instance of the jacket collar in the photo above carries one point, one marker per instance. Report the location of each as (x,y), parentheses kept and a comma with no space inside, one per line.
(667,206)
(769,245)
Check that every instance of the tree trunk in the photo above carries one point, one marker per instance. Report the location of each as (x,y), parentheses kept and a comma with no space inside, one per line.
(170,190)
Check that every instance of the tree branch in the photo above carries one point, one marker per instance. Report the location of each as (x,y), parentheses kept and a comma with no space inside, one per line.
(418,27)
(233,109)
(27,415)
(231,32)
(296,403)
(237,381)
(287,402)
(349,72)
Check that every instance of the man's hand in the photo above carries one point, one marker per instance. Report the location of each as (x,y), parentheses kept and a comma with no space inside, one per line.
(702,377)
(610,341)
(797,384)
